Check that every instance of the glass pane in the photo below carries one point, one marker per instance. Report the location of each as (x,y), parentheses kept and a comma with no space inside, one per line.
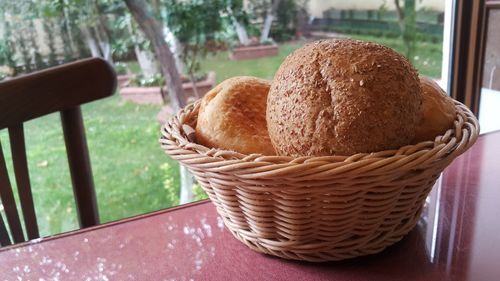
(211,41)
(489,115)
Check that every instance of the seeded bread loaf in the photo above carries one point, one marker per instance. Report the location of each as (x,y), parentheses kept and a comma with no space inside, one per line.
(341,97)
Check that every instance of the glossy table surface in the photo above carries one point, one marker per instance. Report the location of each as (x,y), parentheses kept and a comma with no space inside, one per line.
(458,238)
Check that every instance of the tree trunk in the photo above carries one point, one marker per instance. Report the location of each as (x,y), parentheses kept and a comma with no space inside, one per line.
(104,44)
(146,61)
(24,52)
(104,39)
(239,28)
(140,10)
(186,195)
(48,27)
(401,16)
(176,48)
(241,32)
(193,81)
(149,66)
(92,44)
(266,28)
(67,22)
(302,28)
(154,32)
(408,25)
(67,50)
(410,28)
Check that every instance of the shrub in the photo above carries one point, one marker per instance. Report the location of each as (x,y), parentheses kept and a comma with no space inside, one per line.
(120,68)
(156,80)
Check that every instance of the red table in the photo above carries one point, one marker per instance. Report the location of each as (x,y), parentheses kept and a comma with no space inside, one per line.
(458,238)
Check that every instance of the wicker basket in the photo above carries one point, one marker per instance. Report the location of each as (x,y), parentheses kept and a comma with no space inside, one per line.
(318,208)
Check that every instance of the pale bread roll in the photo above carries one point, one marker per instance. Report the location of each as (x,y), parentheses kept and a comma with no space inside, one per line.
(341,97)
(438,111)
(232,116)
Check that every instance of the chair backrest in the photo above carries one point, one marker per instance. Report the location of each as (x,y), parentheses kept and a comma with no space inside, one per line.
(60,89)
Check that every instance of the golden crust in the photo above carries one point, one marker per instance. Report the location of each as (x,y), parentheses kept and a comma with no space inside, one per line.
(438,111)
(343,97)
(232,116)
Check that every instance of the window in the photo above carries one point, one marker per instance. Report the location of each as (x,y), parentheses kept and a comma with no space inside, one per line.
(212,40)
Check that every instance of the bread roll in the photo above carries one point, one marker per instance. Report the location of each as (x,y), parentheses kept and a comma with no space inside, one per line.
(232,116)
(343,97)
(438,111)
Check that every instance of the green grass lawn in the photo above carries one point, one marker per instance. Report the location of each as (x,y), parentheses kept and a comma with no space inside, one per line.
(263,67)
(132,174)
(126,160)
(428,59)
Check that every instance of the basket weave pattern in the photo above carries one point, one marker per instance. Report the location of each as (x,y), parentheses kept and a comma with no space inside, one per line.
(318,208)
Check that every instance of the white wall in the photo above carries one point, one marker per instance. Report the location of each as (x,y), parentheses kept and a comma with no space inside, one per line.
(316,7)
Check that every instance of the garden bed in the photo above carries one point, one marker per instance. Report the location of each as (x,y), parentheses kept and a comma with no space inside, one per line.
(253,52)
(152,95)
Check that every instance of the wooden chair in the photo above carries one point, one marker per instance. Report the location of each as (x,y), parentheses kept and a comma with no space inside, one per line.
(64,89)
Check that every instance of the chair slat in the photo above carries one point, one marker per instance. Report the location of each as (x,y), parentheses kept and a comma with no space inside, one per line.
(4,235)
(18,148)
(79,164)
(9,204)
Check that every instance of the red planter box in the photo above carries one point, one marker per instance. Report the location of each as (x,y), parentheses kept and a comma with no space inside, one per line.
(142,95)
(253,52)
(152,95)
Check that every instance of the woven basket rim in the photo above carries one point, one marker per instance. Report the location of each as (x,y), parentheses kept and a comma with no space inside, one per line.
(177,141)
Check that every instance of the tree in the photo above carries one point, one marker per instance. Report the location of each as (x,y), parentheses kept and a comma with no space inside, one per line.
(17,18)
(240,15)
(302,18)
(35,48)
(48,26)
(266,10)
(142,48)
(195,35)
(93,24)
(7,48)
(266,28)
(141,11)
(62,13)
(239,19)
(290,20)
(39,63)
(153,31)
(82,23)
(22,41)
(127,36)
(407,25)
